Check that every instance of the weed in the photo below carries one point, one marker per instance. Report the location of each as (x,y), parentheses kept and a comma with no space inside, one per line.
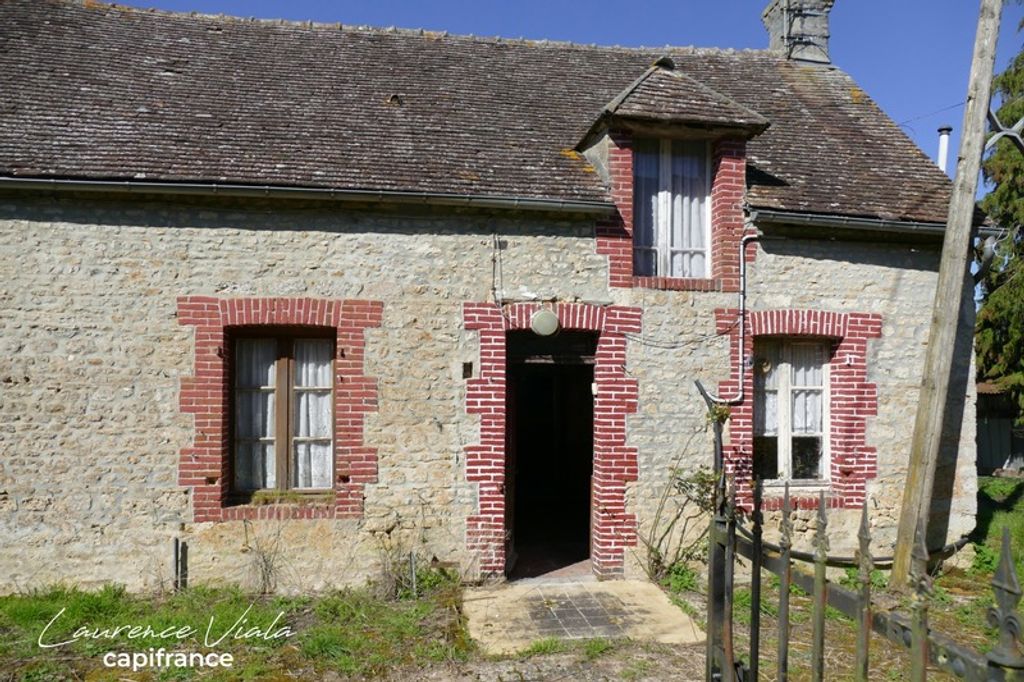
(833,613)
(541,647)
(679,527)
(636,670)
(851,578)
(941,596)
(595,647)
(44,671)
(429,579)
(265,552)
(680,578)
(742,602)
(985,560)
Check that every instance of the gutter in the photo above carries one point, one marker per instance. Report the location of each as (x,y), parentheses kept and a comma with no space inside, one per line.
(770,217)
(314,193)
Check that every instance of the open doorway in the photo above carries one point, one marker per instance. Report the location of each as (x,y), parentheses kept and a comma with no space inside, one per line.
(549,452)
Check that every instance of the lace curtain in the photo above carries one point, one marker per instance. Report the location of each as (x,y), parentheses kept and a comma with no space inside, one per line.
(311,418)
(670,195)
(689,193)
(255,405)
(311,440)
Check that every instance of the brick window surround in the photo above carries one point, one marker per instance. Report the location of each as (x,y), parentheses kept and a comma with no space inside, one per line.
(204,466)
(615,463)
(852,398)
(728,183)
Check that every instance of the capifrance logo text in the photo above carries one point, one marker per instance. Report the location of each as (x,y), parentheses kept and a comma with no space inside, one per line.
(161,658)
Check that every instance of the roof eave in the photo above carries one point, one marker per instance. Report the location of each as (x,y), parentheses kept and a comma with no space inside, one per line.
(495,202)
(705,127)
(775,218)
(670,128)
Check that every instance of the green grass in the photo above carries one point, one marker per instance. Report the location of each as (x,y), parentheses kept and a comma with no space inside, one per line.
(961,599)
(637,669)
(351,631)
(681,578)
(596,647)
(878,579)
(1000,505)
(833,613)
(742,601)
(550,645)
(590,649)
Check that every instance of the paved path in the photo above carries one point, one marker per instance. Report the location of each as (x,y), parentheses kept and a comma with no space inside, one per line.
(507,618)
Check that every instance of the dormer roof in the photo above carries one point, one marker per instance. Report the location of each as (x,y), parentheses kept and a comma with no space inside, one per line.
(665,95)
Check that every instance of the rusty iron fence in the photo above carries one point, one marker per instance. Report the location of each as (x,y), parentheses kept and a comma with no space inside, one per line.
(729,539)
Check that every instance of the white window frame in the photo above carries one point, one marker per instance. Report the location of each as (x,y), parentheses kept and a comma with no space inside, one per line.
(662,246)
(784,401)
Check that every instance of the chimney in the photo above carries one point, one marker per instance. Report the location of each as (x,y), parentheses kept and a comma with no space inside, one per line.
(799,28)
(944,132)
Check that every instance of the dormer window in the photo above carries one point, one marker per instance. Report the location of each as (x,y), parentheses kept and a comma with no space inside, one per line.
(671,208)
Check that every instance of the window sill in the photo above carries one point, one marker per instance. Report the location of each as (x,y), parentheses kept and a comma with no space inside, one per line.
(276,505)
(260,498)
(677,283)
(803,495)
(778,486)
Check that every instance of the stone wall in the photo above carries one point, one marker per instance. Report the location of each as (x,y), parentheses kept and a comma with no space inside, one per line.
(895,281)
(92,357)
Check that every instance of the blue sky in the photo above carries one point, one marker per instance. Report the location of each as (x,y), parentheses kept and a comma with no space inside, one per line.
(912,56)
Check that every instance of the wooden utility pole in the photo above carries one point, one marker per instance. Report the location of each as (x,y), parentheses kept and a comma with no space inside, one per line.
(956,250)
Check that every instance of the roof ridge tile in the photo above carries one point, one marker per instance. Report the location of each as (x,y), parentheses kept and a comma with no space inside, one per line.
(398,30)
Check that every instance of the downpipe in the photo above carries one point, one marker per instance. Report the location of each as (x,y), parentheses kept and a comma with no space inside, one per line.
(740,360)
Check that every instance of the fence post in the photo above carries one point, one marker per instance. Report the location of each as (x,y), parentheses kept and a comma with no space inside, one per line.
(729,658)
(714,653)
(865,564)
(1006,657)
(785,544)
(177,564)
(757,518)
(180,565)
(821,548)
(921,588)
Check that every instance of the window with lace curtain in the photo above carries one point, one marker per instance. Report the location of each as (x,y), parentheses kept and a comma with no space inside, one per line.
(283,387)
(791,410)
(671,188)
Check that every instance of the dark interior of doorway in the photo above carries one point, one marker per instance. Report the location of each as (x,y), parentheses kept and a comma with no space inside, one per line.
(549,451)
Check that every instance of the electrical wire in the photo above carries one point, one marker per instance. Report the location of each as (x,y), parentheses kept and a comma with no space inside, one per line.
(498,280)
(937,111)
(672,344)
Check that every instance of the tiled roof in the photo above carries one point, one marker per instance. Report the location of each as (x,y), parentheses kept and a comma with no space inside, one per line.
(664,94)
(98,92)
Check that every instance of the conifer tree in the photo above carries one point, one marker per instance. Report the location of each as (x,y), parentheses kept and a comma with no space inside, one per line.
(1000,325)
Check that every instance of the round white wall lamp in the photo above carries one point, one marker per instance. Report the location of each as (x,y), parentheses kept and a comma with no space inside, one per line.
(544,322)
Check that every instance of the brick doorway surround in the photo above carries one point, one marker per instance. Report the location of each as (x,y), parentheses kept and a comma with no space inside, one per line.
(615,463)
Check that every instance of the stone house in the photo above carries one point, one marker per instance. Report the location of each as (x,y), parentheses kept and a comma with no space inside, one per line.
(323,293)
